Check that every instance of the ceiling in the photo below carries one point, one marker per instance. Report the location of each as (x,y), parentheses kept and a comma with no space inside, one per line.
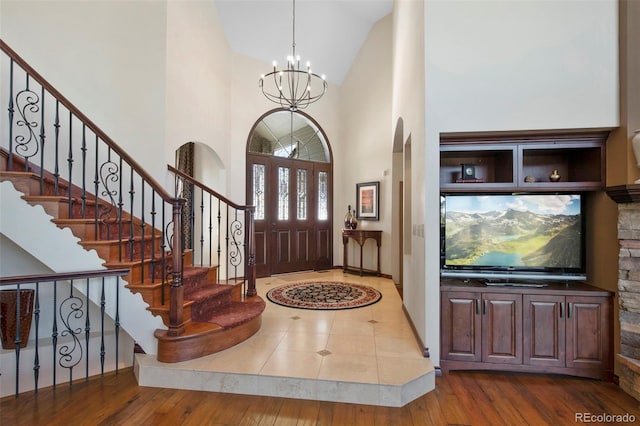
(329,33)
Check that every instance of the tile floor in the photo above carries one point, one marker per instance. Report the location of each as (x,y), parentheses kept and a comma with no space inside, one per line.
(366,355)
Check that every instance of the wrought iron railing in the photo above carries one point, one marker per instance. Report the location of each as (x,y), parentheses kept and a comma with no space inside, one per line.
(74,160)
(62,300)
(97,179)
(221,232)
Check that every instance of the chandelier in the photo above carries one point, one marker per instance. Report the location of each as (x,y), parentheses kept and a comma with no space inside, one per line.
(293,88)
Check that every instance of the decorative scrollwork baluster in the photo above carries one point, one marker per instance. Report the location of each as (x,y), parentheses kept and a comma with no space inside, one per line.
(109,173)
(26,143)
(71,353)
(236,249)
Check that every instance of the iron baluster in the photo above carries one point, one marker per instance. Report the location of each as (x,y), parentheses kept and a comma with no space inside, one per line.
(131,195)
(210,228)
(120,205)
(42,138)
(142,225)
(153,236)
(70,162)
(54,330)
(11,111)
(235,252)
(201,226)
(226,266)
(27,102)
(117,320)
(83,149)
(163,259)
(87,332)
(70,353)
(17,340)
(219,236)
(102,312)
(56,167)
(96,182)
(36,357)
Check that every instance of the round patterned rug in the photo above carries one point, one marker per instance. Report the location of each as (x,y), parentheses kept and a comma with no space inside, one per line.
(324,295)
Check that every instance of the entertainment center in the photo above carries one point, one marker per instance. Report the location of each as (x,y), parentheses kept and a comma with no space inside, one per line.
(513,284)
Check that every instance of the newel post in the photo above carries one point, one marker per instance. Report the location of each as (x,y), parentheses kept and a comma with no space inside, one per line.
(251,254)
(176,291)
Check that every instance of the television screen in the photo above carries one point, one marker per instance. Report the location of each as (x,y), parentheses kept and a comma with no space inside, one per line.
(513,233)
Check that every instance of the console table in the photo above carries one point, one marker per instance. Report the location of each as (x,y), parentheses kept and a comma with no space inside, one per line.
(360,236)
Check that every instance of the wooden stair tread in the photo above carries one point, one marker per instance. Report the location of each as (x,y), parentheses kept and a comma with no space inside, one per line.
(226,325)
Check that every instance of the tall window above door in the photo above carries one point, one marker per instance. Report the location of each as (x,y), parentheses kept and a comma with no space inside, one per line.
(289,134)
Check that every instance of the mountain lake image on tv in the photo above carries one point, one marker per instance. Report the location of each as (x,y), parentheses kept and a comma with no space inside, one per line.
(522,232)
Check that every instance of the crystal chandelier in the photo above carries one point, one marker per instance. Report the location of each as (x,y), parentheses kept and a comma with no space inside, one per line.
(291,87)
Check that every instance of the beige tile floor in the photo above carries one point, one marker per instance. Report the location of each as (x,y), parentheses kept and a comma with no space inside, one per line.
(372,345)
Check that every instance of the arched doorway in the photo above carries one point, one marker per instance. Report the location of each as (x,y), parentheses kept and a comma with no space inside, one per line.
(289,181)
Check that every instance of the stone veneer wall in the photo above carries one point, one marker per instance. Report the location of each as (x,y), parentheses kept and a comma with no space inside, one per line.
(629,297)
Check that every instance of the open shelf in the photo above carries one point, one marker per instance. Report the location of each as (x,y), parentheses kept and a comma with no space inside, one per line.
(523,164)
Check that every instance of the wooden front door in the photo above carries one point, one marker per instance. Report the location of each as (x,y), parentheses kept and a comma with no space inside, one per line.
(293,226)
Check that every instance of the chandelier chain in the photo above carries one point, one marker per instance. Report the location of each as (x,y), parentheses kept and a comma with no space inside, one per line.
(291,87)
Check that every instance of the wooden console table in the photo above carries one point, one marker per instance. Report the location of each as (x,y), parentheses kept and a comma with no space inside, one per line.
(360,236)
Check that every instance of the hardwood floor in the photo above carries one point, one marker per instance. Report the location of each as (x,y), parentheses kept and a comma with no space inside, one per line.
(473,398)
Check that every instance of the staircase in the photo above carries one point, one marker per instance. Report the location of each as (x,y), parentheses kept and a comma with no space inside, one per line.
(115,208)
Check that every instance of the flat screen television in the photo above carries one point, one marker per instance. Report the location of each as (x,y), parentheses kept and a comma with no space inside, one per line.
(513,237)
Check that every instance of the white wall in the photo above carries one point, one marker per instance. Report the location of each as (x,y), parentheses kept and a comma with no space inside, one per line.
(408,104)
(365,149)
(106,57)
(522,65)
(197,84)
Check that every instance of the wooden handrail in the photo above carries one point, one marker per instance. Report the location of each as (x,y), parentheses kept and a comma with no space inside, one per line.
(90,124)
(250,263)
(176,320)
(209,190)
(28,279)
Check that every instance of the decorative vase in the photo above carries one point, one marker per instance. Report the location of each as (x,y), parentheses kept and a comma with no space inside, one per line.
(635,143)
(554,176)
(354,221)
(8,323)
(347,218)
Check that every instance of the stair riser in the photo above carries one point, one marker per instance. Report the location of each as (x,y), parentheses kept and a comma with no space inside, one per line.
(152,269)
(87,230)
(152,294)
(115,251)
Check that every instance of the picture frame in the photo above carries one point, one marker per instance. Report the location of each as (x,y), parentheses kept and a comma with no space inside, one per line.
(368,201)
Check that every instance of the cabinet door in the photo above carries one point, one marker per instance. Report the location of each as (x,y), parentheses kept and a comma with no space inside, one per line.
(460,315)
(544,330)
(588,332)
(502,328)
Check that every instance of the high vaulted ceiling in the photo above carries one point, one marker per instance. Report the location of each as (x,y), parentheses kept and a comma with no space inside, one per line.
(328,33)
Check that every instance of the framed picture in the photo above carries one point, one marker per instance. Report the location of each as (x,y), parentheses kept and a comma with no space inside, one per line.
(368,200)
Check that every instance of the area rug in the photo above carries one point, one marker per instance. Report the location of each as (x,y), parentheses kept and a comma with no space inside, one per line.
(324,295)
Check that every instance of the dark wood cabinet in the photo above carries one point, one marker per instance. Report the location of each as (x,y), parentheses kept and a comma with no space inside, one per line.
(507,163)
(461,327)
(562,328)
(544,323)
(502,328)
(588,332)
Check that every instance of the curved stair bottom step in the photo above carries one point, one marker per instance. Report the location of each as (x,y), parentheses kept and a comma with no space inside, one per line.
(206,338)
